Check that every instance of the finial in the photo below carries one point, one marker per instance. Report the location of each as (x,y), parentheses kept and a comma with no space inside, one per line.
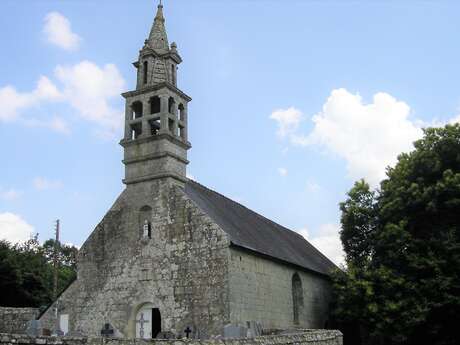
(161,3)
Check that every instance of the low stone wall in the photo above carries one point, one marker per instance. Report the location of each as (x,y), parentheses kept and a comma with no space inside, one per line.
(314,337)
(14,320)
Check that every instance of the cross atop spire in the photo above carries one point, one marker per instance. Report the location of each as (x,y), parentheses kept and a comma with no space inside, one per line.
(158,39)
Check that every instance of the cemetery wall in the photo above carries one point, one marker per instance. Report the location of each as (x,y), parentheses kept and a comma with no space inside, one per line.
(313,337)
(14,320)
(261,290)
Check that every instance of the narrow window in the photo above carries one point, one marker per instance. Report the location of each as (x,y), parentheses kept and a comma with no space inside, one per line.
(146,71)
(297,297)
(173,74)
(145,216)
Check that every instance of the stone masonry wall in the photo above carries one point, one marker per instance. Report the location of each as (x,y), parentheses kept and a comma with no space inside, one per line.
(261,290)
(317,337)
(14,320)
(182,269)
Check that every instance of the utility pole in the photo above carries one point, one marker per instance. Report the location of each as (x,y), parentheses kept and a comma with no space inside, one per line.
(56,261)
(56,272)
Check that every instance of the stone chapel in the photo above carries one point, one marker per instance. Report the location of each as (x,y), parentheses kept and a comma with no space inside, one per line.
(174,256)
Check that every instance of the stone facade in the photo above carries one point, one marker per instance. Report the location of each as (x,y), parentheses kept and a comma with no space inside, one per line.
(261,289)
(181,269)
(14,320)
(320,337)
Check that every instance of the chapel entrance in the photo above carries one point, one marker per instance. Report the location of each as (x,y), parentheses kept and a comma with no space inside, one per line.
(148,322)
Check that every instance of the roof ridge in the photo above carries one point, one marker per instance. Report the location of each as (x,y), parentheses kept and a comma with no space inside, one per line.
(209,190)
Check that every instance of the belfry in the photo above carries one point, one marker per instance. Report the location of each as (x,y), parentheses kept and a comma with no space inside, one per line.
(172,258)
(156,141)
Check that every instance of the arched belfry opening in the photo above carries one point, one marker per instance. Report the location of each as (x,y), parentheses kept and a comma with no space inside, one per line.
(148,321)
(155,105)
(138,109)
(297,298)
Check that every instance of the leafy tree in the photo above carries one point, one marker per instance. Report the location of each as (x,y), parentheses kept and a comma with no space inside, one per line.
(26,272)
(402,248)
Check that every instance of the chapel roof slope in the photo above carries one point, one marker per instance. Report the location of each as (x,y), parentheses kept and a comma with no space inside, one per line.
(252,231)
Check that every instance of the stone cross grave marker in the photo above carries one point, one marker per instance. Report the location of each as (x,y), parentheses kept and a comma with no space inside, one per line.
(187,332)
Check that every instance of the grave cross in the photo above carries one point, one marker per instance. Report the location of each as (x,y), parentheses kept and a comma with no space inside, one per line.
(107,330)
(187,331)
(142,321)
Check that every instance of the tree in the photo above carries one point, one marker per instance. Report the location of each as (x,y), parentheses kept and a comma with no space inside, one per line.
(26,272)
(402,247)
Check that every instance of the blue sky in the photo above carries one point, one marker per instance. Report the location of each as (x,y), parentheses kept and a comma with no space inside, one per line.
(292,102)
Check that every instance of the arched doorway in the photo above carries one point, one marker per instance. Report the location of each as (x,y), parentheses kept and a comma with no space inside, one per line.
(148,322)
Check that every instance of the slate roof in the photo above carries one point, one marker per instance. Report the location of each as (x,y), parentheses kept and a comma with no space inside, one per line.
(250,230)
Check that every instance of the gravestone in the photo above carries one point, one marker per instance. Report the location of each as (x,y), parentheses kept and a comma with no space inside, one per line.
(254,329)
(34,328)
(107,330)
(235,331)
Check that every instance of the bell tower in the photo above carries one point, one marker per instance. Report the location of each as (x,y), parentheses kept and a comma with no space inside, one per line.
(155,141)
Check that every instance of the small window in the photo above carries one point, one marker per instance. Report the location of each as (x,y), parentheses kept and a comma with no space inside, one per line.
(146,71)
(182,131)
(173,74)
(145,218)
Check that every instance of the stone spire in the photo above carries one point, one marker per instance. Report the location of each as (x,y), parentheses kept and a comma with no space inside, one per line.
(158,39)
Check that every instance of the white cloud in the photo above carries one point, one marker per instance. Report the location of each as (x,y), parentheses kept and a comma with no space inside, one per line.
(58,31)
(10,194)
(369,136)
(14,229)
(288,120)
(89,88)
(327,241)
(41,183)
(282,171)
(13,102)
(86,87)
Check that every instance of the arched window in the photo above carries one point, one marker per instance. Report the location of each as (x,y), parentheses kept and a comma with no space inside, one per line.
(145,221)
(138,110)
(171,103)
(297,297)
(146,71)
(155,105)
